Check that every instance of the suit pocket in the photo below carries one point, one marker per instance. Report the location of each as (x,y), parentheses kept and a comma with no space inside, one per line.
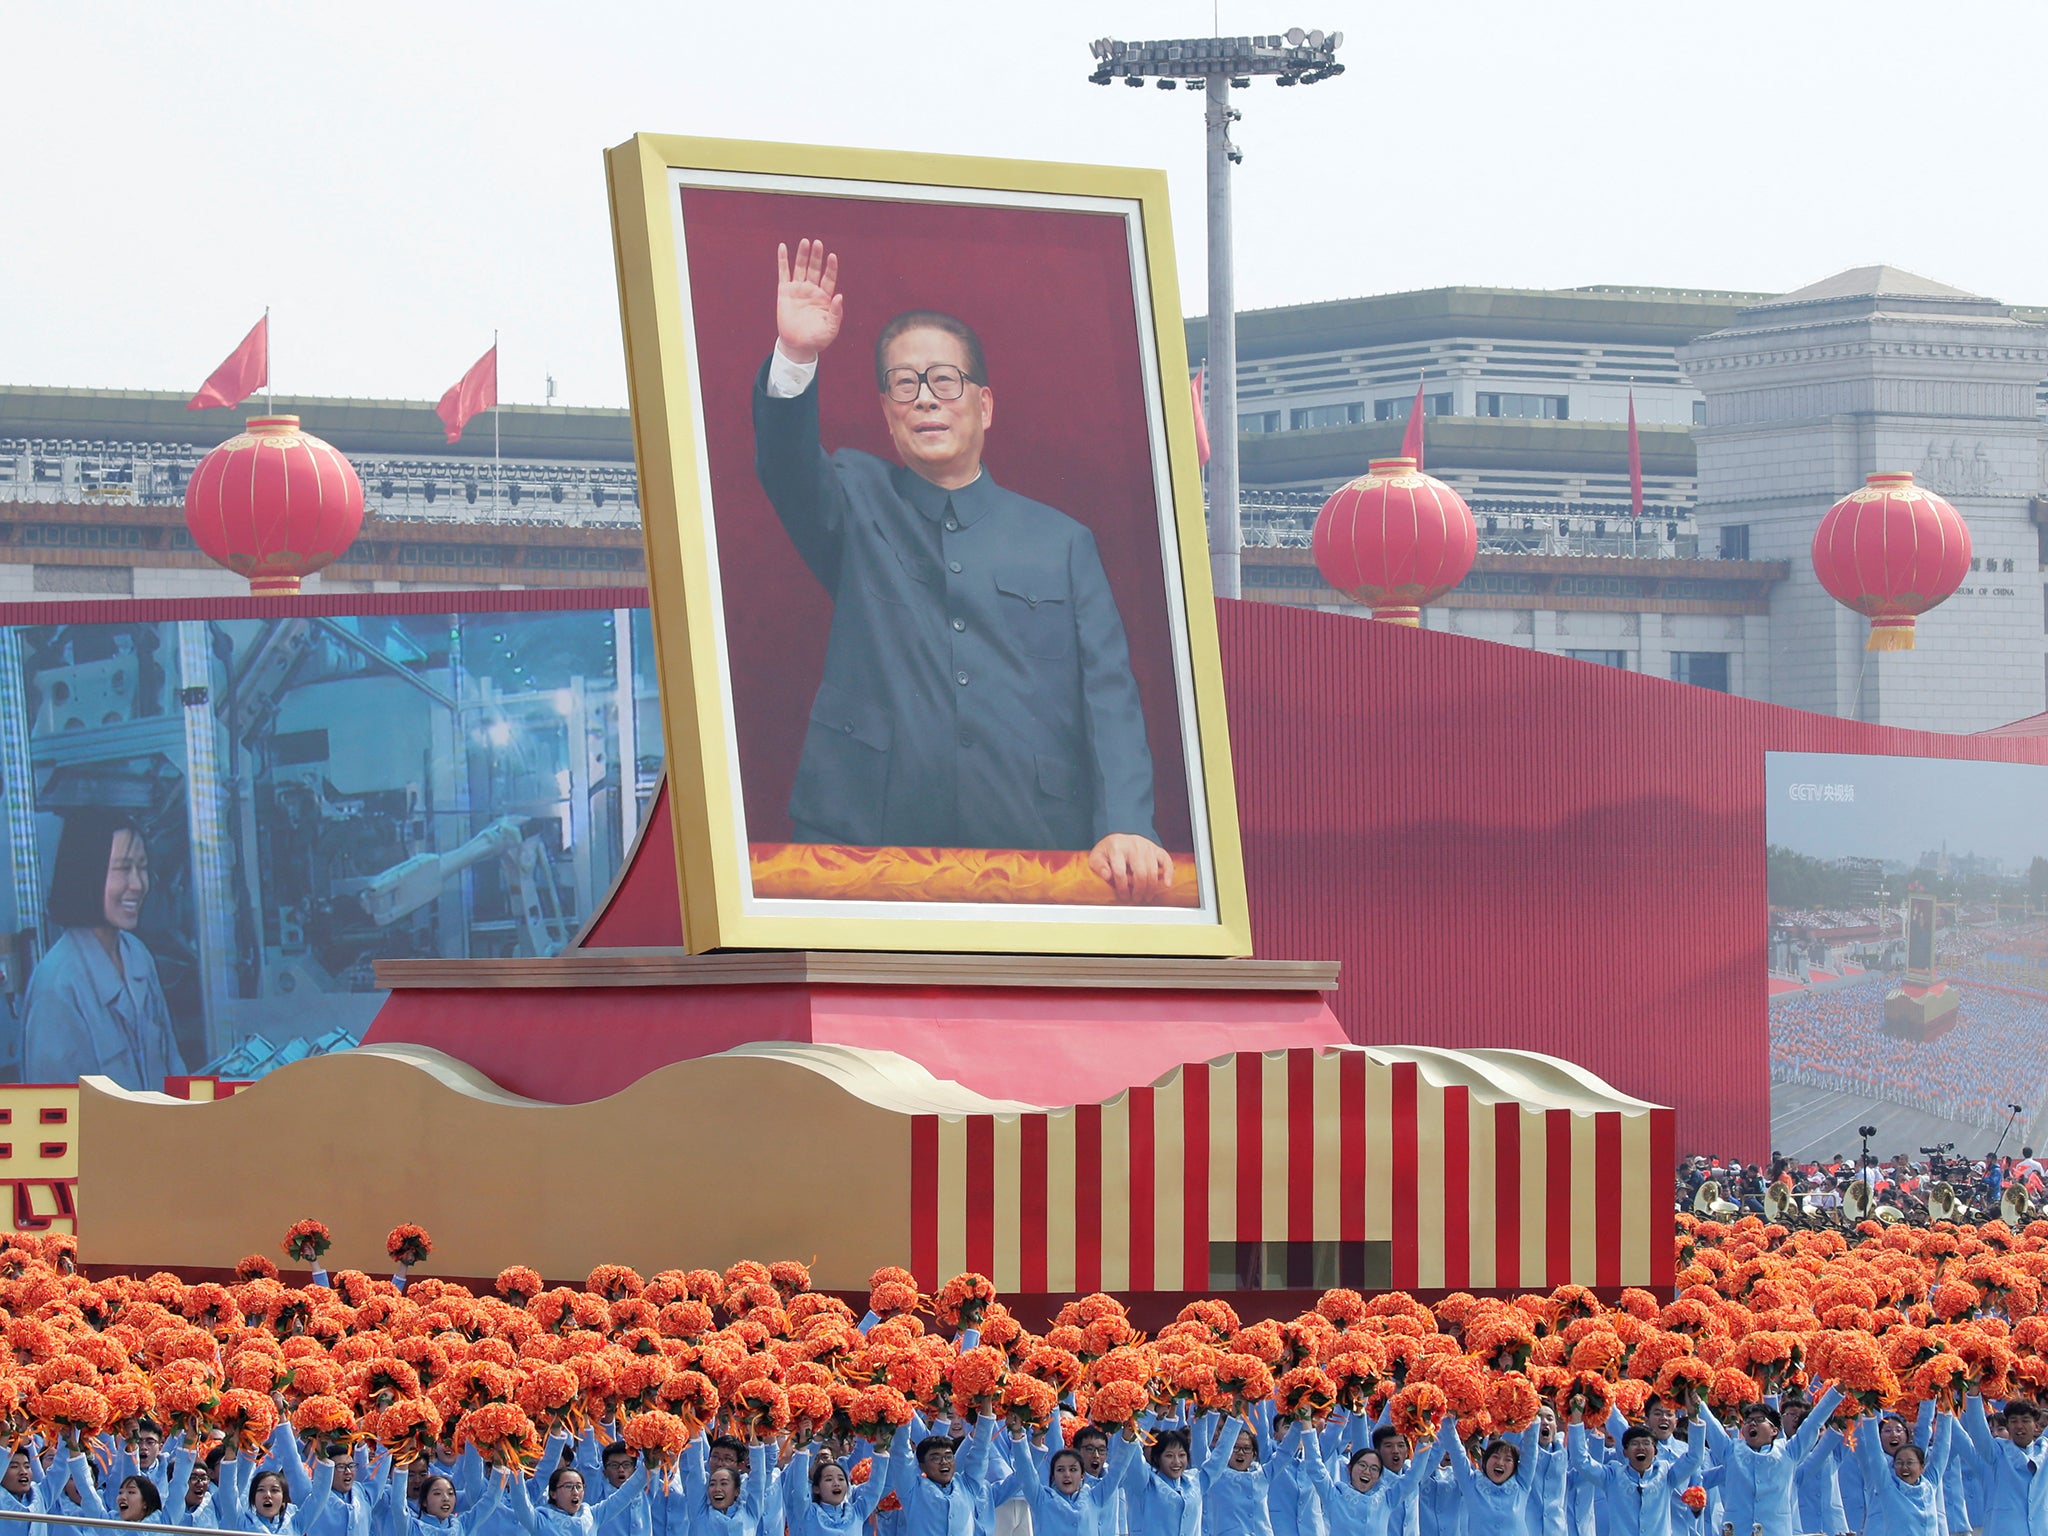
(844,780)
(895,575)
(1058,777)
(1036,609)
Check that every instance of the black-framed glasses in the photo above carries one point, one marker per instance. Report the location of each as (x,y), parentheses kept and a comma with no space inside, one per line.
(945,381)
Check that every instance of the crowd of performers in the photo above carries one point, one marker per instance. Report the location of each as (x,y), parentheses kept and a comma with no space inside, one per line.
(1881,1382)
(1834,1038)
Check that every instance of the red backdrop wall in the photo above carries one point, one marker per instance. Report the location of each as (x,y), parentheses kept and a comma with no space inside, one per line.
(1510,849)
(1049,293)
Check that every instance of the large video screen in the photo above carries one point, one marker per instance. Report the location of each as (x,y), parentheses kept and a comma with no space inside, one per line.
(216,827)
(1908,954)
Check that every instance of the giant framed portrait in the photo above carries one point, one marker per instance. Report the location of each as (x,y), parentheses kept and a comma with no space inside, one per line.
(925,542)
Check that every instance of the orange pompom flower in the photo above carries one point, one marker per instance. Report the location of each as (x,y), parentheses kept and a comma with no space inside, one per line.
(519,1285)
(1306,1392)
(1694,1499)
(328,1420)
(662,1433)
(502,1434)
(408,1245)
(1417,1409)
(246,1418)
(307,1242)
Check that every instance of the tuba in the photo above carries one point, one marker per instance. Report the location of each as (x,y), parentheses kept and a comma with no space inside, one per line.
(1856,1202)
(1780,1205)
(2016,1206)
(1708,1201)
(1942,1204)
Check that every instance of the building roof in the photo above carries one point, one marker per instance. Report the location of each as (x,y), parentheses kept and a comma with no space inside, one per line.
(1605,314)
(354,426)
(1465,442)
(1862,293)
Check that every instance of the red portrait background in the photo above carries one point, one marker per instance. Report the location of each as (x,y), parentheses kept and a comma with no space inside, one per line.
(1049,293)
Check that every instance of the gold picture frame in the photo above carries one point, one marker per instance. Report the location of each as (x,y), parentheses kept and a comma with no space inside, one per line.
(652,180)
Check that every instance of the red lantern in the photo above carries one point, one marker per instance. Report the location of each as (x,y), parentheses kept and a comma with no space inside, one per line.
(1395,539)
(1891,550)
(274,504)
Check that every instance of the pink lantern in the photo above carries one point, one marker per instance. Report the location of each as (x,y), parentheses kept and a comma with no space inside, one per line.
(274,504)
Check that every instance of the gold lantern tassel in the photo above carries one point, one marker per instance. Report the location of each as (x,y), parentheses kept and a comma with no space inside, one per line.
(1890,634)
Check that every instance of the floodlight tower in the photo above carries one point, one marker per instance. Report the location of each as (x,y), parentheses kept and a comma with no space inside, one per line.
(1223,64)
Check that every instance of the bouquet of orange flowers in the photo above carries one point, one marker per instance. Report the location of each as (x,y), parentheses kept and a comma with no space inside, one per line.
(976,1378)
(1115,1404)
(246,1418)
(548,1393)
(1589,1397)
(962,1300)
(1694,1499)
(407,1429)
(662,1433)
(759,1409)
(877,1413)
(692,1397)
(307,1242)
(1027,1403)
(519,1285)
(1512,1403)
(1417,1409)
(892,1290)
(68,1411)
(185,1393)
(502,1434)
(408,1245)
(1244,1378)
(326,1420)
(1306,1392)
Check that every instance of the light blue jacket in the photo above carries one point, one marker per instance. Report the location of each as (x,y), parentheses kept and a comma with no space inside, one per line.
(231,1501)
(2007,1474)
(1911,1509)
(1637,1504)
(83,1013)
(1381,1509)
(805,1516)
(1756,1486)
(544,1519)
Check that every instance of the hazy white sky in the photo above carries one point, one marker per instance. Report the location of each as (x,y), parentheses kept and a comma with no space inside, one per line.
(396,180)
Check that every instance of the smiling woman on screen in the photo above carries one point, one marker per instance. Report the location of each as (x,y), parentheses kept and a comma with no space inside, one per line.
(94,1004)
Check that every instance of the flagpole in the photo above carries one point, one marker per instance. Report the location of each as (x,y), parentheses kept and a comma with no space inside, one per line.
(494,421)
(269,400)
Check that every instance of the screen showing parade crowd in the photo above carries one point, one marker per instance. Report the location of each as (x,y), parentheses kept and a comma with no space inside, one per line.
(1908,988)
(217,827)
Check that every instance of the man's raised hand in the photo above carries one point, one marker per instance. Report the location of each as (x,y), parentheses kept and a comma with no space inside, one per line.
(808,305)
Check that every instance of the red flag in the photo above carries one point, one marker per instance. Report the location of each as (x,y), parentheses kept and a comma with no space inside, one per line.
(246,370)
(475,392)
(1201,421)
(1635,462)
(1411,440)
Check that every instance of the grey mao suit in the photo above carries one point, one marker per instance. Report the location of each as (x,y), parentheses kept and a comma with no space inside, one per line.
(978,689)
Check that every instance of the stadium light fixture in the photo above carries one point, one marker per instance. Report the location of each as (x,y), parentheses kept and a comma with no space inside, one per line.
(1222,64)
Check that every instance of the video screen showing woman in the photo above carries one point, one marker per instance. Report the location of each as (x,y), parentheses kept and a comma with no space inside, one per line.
(94,1004)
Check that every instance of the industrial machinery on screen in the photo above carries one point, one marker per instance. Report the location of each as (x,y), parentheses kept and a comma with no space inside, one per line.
(315,794)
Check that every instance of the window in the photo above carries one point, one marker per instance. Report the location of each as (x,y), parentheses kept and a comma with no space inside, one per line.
(1258,421)
(1327,415)
(1274,1266)
(1531,407)
(1735,541)
(1398,409)
(1602,658)
(1703,669)
(1699,413)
